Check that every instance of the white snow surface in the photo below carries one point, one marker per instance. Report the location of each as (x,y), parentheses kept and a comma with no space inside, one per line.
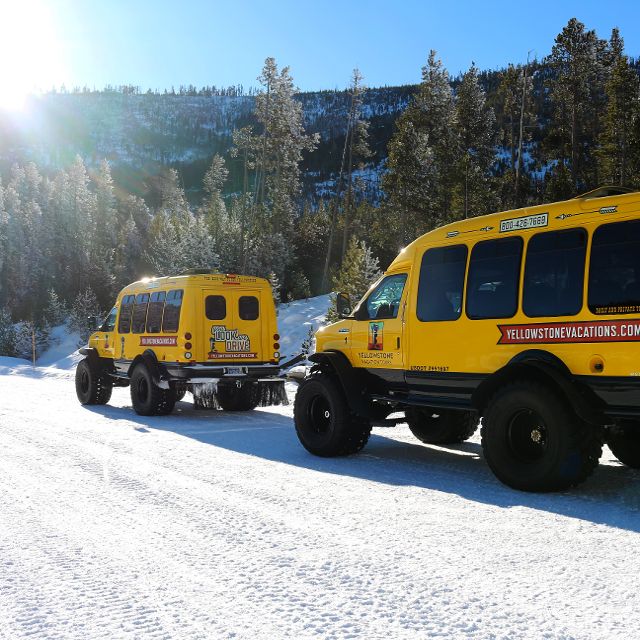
(207,524)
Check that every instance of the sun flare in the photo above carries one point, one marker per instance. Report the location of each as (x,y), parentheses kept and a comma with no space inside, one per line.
(29,50)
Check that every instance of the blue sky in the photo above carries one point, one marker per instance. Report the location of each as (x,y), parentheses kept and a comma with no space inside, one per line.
(159,43)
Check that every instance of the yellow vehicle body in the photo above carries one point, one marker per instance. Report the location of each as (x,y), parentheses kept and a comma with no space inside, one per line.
(595,342)
(528,319)
(227,337)
(186,332)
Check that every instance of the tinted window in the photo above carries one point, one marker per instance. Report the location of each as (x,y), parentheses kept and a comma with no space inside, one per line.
(110,321)
(614,276)
(154,314)
(492,285)
(140,313)
(171,319)
(384,301)
(441,283)
(215,307)
(554,273)
(249,308)
(126,309)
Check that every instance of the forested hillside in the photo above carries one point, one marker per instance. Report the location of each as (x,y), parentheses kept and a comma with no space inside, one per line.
(99,188)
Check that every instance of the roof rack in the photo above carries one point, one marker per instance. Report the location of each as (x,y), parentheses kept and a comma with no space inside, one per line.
(604,192)
(200,272)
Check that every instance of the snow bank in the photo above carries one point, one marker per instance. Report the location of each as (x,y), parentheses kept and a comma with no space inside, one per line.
(63,352)
(297,319)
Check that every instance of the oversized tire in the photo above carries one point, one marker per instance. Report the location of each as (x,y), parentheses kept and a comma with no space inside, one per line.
(533,441)
(625,444)
(324,424)
(244,398)
(441,426)
(147,397)
(93,385)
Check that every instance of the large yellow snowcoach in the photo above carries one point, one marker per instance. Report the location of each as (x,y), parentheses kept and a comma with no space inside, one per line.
(211,333)
(528,319)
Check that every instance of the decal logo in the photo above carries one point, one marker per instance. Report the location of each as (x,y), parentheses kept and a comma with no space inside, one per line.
(236,344)
(574,332)
(159,341)
(526,222)
(376,336)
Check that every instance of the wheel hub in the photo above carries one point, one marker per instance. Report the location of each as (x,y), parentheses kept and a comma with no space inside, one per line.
(527,436)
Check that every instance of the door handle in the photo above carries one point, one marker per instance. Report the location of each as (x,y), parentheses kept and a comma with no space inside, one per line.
(398,342)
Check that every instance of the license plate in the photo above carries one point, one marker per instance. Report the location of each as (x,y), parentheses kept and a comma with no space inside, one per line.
(235,371)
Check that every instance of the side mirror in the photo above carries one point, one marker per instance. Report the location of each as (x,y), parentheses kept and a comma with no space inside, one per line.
(95,322)
(343,305)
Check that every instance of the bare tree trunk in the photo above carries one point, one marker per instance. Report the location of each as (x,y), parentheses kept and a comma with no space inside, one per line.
(521,132)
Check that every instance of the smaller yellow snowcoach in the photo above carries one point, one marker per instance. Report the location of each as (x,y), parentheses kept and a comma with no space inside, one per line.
(213,334)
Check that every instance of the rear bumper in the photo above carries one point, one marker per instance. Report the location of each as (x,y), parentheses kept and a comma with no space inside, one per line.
(201,373)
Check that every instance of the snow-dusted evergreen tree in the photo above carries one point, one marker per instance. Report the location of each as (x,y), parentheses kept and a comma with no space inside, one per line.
(421,156)
(475,124)
(272,155)
(84,311)
(275,288)
(3,240)
(26,332)
(55,311)
(105,237)
(7,334)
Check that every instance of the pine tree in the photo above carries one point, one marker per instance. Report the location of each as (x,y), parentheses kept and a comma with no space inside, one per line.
(421,156)
(578,62)
(359,270)
(7,334)
(55,312)
(84,311)
(616,152)
(475,125)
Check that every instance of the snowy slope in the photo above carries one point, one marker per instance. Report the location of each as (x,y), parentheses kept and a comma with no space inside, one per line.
(296,320)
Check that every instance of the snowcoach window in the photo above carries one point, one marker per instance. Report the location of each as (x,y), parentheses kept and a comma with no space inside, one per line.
(554,273)
(441,283)
(139,318)
(492,284)
(154,315)
(215,307)
(614,275)
(109,323)
(172,306)
(126,308)
(384,301)
(249,308)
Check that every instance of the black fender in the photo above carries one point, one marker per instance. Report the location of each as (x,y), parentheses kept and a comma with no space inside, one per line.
(351,380)
(91,354)
(544,367)
(149,359)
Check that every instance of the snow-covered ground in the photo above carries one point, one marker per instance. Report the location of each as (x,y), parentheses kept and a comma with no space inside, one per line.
(206,524)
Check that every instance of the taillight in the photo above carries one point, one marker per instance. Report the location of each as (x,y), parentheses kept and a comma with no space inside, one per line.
(187,346)
(276,346)
(276,337)
(187,336)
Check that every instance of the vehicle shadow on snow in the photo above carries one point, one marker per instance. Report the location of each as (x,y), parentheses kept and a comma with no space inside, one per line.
(611,496)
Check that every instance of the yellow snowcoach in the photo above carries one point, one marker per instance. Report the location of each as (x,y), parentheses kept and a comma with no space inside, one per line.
(528,319)
(211,333)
